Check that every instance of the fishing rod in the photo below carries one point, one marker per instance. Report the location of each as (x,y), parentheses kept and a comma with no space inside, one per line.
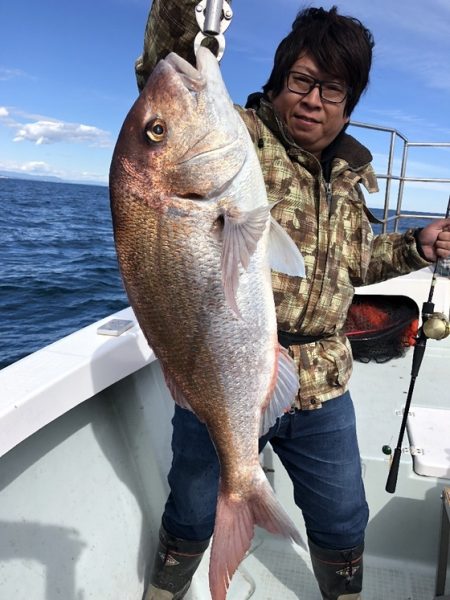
(435,326)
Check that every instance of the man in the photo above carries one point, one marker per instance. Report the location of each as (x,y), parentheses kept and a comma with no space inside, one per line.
(298,126)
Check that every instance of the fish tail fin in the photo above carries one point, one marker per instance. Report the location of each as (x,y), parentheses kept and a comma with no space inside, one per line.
(234,528)
(233,532)
(269,514)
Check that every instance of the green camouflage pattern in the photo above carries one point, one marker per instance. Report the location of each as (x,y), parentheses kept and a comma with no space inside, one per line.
(171,27)
(332,230)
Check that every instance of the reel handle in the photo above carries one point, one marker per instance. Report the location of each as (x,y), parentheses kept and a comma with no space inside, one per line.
(391,482)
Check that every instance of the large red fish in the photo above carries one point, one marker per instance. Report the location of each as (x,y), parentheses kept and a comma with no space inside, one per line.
(195,243)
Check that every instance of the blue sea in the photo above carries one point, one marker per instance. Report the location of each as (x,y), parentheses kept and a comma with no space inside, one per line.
(58,268)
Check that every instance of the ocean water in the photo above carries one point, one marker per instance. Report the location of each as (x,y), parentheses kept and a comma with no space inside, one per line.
(58,268)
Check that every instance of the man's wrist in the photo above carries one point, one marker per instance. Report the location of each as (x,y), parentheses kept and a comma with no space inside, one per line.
(416,234)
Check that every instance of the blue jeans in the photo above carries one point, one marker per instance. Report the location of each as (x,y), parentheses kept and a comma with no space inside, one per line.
(319,450)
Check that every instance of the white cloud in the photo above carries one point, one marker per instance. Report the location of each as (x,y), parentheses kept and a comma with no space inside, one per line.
(41,168)
(53,132)
(401,121)
(7,74)
(413,37)
(423,162)
(35,166)
(429,20)
(396,115)
(45,130)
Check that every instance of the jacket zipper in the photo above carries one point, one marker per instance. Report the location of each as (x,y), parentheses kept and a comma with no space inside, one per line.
(329,192)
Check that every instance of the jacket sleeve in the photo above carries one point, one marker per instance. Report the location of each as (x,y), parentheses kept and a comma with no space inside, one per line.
(392,254)
(171,27)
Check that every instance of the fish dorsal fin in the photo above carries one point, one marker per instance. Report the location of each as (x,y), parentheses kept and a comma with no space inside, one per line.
(284,255)
(241,233)
(285,391)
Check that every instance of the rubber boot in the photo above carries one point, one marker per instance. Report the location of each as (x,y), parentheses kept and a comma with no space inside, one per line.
(339,573)
(174,566)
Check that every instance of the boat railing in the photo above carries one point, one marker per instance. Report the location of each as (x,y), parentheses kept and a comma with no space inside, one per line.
(390,177)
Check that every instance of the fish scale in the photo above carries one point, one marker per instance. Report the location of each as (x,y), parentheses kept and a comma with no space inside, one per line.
(192,230)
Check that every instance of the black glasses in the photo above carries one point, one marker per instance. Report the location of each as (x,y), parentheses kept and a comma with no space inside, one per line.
(330,91)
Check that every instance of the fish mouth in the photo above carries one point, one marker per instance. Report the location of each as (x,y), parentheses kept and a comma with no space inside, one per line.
(192,78)
(213,147)
(194,81)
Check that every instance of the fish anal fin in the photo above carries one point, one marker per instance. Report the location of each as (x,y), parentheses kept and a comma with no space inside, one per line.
(177,395)
(241,234)
(284,393)
(284,256)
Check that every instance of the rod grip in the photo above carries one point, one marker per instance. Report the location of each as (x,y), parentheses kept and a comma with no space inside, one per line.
(391,482)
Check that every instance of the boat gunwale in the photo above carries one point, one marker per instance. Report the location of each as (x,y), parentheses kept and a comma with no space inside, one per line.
(46,384)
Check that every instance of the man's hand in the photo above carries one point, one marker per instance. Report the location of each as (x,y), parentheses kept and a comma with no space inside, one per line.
(434,240)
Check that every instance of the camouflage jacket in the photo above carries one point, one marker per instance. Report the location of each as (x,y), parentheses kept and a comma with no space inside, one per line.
(329,221)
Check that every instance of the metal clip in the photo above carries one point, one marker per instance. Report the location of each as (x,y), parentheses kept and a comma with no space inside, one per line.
(213,18)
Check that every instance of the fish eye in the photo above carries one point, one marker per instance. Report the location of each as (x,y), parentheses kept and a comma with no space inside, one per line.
(155,130)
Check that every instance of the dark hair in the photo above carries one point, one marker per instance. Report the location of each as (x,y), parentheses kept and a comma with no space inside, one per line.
(340,45)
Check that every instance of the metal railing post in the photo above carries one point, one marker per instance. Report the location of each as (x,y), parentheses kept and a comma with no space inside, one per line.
(402,178)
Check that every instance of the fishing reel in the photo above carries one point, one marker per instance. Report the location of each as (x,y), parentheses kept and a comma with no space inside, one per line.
(436,326)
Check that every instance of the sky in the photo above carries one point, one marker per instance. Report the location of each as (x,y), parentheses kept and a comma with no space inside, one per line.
(67,81)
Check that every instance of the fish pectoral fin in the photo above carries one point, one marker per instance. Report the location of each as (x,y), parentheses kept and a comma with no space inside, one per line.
(241,233)
(284,393)
(284,256)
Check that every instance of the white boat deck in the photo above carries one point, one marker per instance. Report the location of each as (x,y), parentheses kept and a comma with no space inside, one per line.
(275,571)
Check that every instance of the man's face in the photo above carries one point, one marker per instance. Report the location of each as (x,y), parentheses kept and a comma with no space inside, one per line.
(312,122)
